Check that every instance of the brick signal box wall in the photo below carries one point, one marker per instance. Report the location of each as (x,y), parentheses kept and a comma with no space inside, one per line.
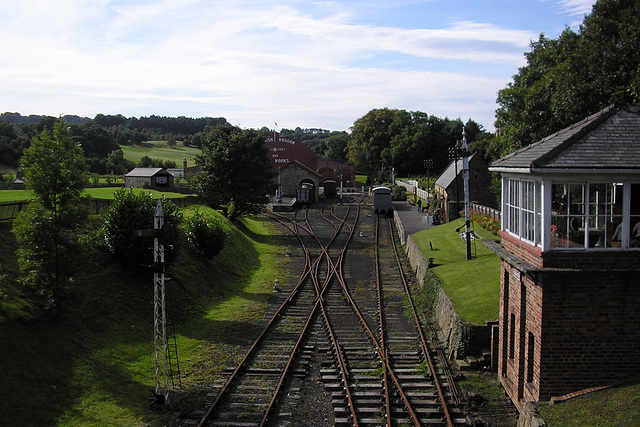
(576,315)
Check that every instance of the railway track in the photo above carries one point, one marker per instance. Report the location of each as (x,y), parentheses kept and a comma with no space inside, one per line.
(375,360)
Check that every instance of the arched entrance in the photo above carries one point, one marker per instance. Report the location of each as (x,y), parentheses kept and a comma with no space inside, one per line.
(306,191)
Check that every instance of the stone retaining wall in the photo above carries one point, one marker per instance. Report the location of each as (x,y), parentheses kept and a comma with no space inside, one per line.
(529,416)
(453,330)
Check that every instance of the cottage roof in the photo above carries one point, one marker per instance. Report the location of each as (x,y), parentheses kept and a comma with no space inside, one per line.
(449,174)
(609,139)
(147,172)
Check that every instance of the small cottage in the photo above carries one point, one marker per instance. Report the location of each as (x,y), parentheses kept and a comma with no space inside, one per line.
(449,186)
(151,178)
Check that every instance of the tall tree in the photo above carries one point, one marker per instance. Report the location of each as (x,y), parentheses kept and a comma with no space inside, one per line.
(403,140)
(236,172)
(570,77)
(369,146)
(47,231)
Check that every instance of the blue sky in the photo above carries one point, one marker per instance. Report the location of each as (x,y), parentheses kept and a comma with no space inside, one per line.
(320,64)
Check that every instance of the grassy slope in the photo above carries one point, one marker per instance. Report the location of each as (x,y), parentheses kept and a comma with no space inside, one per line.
(160,150)
(619,406)
(473,286)
(95,366)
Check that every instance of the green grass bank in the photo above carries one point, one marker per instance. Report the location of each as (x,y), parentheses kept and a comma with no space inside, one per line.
(94,366)
(160,150)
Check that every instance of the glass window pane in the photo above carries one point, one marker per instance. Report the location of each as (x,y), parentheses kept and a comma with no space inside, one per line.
(605,215)
(634,241)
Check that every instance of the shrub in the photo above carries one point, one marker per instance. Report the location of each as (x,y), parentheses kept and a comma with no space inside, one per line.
(205,236)
(129,212)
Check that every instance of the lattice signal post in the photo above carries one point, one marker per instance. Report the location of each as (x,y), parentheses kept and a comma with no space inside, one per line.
(161,355)
(160,343)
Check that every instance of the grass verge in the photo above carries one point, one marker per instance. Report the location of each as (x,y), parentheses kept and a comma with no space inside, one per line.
(617,406)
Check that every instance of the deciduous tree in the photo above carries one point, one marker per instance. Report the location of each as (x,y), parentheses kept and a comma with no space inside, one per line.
(570,77)
(236,172)
(47,231)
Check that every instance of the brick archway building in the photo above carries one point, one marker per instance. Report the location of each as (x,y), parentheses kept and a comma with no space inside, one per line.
(285,153)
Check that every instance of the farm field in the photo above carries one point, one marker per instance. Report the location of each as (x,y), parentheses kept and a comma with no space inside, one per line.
(160,150)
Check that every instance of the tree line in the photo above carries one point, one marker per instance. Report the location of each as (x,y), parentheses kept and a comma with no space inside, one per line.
(571,77)
(565,80)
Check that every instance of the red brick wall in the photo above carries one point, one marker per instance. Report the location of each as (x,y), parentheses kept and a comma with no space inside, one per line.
(585,323)
(530,254)
(522,298)
(591,330)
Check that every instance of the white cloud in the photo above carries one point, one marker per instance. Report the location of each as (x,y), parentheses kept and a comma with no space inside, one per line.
(575,8)
(251,62)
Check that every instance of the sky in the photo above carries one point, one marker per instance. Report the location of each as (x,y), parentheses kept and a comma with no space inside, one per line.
(274,63)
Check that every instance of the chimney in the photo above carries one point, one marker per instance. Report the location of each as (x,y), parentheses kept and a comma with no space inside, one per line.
(184,165)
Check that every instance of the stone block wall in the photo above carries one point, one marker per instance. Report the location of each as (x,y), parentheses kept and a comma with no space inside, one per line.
(459,337)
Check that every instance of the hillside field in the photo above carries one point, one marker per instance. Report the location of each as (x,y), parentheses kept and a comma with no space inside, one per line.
(160,150)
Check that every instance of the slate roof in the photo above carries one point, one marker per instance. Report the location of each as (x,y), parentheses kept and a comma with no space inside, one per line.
(145,172)
(609,139)
(449,174)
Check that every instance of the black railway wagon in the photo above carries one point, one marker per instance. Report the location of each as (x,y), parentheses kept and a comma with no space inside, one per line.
(382,198)
(304,194)
(330,188)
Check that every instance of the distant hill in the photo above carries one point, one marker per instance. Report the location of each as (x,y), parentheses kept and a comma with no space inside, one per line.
(17,118)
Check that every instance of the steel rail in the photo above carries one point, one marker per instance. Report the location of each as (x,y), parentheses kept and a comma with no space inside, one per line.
(254,347)
(344,373)
(306,272)
(381,352)
(319,303)
(387,399)
(423,342)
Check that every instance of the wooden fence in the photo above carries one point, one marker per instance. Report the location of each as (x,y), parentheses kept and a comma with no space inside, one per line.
(485,210)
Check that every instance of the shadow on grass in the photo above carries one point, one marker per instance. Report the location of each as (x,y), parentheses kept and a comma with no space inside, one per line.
(97,361)
(260,238)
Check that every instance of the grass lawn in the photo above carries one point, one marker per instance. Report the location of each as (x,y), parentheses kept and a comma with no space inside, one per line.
(96,193)
(160,150)
(108,192)
(15,195)
(472,286)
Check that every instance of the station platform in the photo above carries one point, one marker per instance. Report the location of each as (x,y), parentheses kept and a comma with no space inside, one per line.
(412,220)
(286,204)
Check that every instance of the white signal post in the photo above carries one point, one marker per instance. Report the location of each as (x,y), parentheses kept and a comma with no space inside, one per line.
(465,171)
